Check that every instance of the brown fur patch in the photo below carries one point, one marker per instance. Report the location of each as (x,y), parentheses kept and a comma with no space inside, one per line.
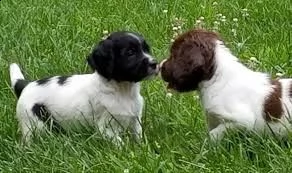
(273,109)
(191,60)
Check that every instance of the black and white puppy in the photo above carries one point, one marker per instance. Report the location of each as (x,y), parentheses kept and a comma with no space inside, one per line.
(108,99)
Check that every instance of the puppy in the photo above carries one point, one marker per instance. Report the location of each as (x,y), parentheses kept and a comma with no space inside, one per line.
(232,95)
(108,99)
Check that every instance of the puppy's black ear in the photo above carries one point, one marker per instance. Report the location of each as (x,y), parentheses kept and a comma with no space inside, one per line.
(102,59)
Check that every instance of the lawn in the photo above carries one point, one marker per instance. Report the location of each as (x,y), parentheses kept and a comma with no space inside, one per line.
(53,37)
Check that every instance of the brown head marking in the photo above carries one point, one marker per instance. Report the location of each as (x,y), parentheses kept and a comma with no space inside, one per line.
(273,109)
(191,60)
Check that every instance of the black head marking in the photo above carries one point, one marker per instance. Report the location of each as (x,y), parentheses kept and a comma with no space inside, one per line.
(43,114)
(63,79)
(101,59)
(123,56)
(43,81)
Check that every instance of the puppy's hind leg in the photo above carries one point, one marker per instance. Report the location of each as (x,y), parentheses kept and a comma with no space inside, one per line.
(30,126)
(26,132)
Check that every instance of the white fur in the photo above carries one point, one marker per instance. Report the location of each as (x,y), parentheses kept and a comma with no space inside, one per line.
(235,95)
(15,74)
(88,99)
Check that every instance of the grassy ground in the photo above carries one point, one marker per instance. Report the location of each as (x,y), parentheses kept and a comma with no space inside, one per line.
(50,37)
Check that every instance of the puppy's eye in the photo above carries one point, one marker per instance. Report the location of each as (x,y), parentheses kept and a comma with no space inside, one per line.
(130,52)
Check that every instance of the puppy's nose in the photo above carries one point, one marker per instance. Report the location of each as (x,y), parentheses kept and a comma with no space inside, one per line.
(153,64)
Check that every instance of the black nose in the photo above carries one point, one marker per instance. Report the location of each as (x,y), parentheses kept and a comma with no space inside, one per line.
(153,64)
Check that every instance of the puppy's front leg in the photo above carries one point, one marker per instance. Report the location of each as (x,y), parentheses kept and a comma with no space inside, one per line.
(217,134)
(241,116)
(136,129)
(114,137)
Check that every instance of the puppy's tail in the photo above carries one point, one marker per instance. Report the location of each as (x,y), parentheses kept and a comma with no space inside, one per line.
(18,83)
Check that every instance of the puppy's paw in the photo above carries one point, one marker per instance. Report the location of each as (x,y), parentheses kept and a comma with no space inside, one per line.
(217,134)
(117,141)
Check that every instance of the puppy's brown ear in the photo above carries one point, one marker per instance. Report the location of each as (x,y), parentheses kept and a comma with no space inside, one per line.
(102,59)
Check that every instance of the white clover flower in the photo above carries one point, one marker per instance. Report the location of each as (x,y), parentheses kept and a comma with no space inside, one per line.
(235,20)
(179,27)
(219,15)
(201,18)
(279,74)
(168,95)
(239,45)
(165,11)
(196,97)
(198,21)
(174,28)
(223,17)
(175,34)
(105,32)
(233,31)
(245,14)
(126,171)
(215,28)
(223,20)
(253,59)
(216,23)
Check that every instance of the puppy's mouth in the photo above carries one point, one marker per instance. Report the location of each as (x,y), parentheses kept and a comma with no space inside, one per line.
(153,68)
(153,71)
(157,70)
(170,86)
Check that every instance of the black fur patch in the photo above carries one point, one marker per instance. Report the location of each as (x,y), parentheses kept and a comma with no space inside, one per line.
(63,79)
(43,81)
(19,86)
(41,111)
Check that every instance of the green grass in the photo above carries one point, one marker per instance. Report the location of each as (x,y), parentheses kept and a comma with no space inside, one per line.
(50,37)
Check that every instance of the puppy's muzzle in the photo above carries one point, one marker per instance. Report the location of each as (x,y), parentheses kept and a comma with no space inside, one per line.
(153,65)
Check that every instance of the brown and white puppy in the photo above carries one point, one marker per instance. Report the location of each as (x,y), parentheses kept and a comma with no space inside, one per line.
(232,95)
